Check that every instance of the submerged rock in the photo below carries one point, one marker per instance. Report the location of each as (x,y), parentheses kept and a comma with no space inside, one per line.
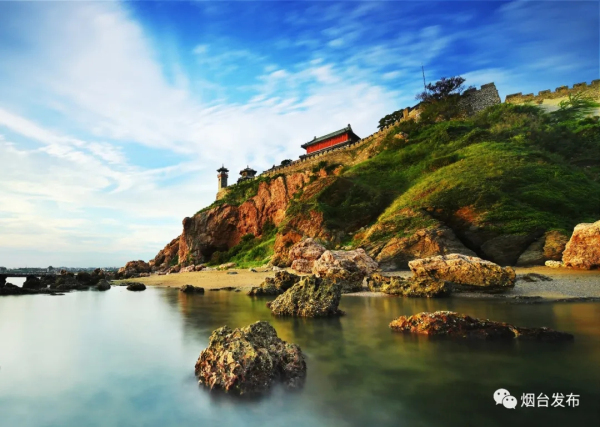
(451,324)
(583,249)
(310,297)
(249,360)
(190,289)
(422,287)
(304,254)
(275,285)
(134,286)
(465,271)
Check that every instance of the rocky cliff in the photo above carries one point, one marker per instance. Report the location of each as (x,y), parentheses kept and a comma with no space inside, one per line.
(508,185)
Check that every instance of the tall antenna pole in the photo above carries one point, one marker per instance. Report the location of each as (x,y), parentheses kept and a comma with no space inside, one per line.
(423,70)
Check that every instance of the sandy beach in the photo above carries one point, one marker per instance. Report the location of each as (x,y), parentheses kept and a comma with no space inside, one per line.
(566,284)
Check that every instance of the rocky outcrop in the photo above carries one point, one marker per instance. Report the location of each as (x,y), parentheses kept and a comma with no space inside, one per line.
(133,269)
(275,285)
(247,361)
(167,256)
(310,297)
(583,249)
(420,287)
(304,254)
(134,286)
(191,289)
(465,271)
(398,251)
(347,268)
(32,282)
(455,325)
(223,226)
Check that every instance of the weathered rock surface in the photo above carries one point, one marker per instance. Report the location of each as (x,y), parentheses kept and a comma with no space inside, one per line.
(310,297)
(166,256)
(533,255)
(375,281)
(304,254)
(451,324)
(347,268)
(249,360)
(190,289)
(554,264)
(275,285)
(554,245)
(133,269)
(420,287)
(465,271)
(136,286)
(583,249)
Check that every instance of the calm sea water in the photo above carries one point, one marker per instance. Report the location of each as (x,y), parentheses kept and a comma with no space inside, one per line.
(121,358)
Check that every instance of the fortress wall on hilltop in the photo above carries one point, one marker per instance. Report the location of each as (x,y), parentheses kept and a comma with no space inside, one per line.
(545,97)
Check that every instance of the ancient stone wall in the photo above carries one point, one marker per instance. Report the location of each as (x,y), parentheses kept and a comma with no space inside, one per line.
(593,90)
(476,100)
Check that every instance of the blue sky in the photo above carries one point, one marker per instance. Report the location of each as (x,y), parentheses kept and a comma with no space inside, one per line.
(114,116)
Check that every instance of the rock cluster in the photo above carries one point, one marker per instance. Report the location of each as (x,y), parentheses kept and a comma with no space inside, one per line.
(310,297)
(451,324)
(304,254)
(583,249)
(133,269)
(465,272)
(247,361)
(275,285)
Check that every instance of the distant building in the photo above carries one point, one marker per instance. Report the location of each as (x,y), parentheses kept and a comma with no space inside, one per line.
(222,177)
(335,139)
(247,174)
(2,269)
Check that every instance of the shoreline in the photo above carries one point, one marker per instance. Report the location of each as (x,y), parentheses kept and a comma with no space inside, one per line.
(566,285)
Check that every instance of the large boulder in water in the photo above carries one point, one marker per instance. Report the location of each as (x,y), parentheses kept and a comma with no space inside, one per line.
(103,285)
(191,289)
(451,324)
(583,249)
(304,254)
(310,297)
(135,286)
(348,268)
(249,360)
(275,285)
(465,271)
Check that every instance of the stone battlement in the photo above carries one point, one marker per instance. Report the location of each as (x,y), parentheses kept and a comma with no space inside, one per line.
(593,90)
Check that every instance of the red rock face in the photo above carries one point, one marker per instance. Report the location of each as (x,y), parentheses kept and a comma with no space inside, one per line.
(583,249)
(222,227)
(164,258)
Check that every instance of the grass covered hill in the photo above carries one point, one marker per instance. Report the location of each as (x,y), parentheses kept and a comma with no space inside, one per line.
(493,184)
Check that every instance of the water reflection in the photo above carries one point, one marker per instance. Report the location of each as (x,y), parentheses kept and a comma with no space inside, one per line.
(123,358)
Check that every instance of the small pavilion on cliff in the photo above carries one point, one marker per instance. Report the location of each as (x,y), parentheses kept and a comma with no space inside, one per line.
(247,174)
(332,140)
